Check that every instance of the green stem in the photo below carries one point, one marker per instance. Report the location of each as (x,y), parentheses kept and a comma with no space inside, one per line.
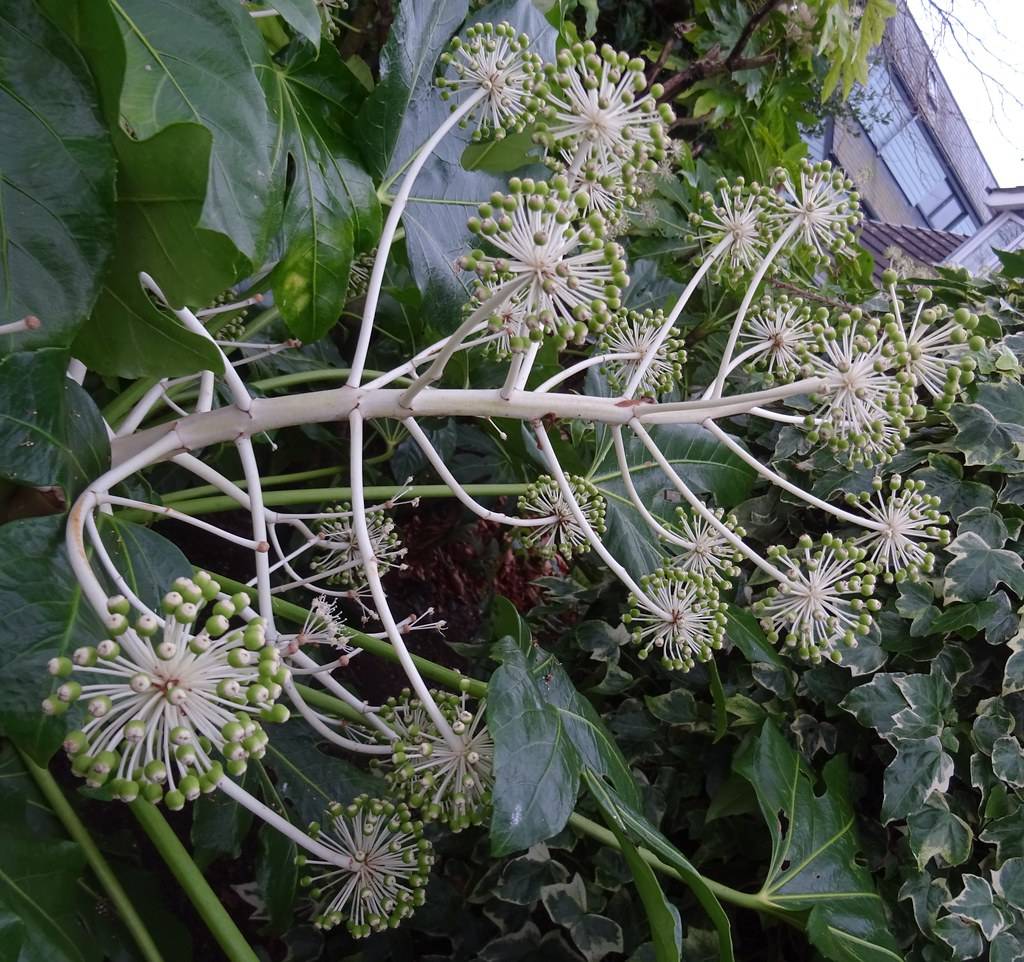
(116,411)
(270,481)
(744,900)
(213,914)
(455,680)
(320,699)
(99,865)
(312,496)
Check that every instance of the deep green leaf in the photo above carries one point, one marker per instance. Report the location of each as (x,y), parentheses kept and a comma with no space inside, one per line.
(543,731)
(192,61)
(331,208)
(662,916)
(57,188)
(276,877)
(148,562)
(308,779)
(303,16)
(50,429)
(219,826)
(45,615)
(814,850)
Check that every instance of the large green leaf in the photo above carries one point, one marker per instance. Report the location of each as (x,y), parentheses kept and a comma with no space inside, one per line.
(628,822)
(148,562)
(706,466)
(50,429)
(303,16)
(161,190)
(44,615)
(814,851)
(544,732)
(56,180)
(39,886)
(195,61)
(332,203)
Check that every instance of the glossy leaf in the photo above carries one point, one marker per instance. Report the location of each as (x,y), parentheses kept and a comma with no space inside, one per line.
(57,189)
(148,562)
(814,851)
(544,731)
(331,208)
(303,17)
(45,616)
(195,61)
(39,886)
(662,916)
(50,429)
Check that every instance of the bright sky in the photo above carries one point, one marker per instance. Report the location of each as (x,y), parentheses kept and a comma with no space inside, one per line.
(979,47)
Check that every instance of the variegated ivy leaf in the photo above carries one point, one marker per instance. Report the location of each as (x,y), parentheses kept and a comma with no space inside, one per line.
(921,767)
(963,937)
(1008,761)
(902,706)
(594,935)
(977,568)
(1013,673)
(993,722)
(1006,947)
(935,832)
(927,895)
(1007,834)
(1008,881)
(975,904)
(984,439)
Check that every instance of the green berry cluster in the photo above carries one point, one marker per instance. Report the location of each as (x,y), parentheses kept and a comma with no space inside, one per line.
(165,698)
(562,535)
(634,332)
(381,871)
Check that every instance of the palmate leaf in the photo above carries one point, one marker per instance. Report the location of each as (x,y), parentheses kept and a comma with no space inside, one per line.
(332,207)
(544,733)
(814,852)
(705,465)
(57,182)
(195,61)
(977,568)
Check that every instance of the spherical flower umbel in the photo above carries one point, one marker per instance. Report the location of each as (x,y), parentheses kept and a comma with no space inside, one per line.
(682,618)
(341,561)
(565,277)
(563,533)
(634,333)
(321,627)
(497,60)
(934,352)
(739,218)
(164,701)
(382,866)
(596,110)
(824,207)
(708,552)
(864,406)
(825,600)
(449,785)
(781,335)
(909,516)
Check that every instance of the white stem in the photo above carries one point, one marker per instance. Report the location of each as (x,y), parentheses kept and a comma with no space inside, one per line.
(387,236)
(741,315)
(470,324)
(87,500)
(417,434)
(551,460)
(735,363)
(627,479)
(76,370)
(701,508)
(341,692)
(180,516)
(206,384)
(780,481)
(28,323)
(583,365)
(377,588)
(282,825)
(313,719)
(670,320)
